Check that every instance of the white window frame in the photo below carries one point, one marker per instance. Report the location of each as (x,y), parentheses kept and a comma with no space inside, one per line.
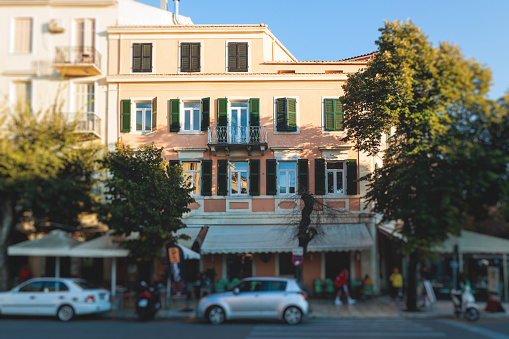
(12,35)
(278,177)
(135,101)
(202,48)
(72,101)
(249,69)
(182,115)
(335,177)
(297,103)
(230,183)
(323,116)
(153,42)
(14,95)
(191,175)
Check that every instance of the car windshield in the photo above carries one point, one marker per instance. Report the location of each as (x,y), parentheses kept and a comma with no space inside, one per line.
(85,285)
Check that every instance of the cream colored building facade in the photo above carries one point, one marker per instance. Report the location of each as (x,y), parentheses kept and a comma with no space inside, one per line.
(251,126)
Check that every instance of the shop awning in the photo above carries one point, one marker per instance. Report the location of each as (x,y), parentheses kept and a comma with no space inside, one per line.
(106,246)
(281,238)
(191,232)
(472,242)
(56,244)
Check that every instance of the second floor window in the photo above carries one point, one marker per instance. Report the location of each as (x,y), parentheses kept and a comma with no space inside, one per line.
(142,57)
(287,177)
(144,117)
(23,94)
(84,96)
(190,57)
(239,178)
(191,116)
(22,37)
(335,177)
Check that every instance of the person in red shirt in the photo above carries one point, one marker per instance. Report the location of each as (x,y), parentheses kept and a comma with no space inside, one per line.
(341,284)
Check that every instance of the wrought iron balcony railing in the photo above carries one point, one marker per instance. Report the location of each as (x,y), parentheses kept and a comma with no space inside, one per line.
(78,60)
(237,135)
(87,123)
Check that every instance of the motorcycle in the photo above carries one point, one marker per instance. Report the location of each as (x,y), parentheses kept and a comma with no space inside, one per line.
(464,304)
(149,301)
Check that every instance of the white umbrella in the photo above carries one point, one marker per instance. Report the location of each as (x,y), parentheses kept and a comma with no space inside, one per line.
(56,244)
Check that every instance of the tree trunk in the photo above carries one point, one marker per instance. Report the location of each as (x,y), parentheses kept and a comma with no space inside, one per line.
(6,222)
(411,302)
(304,233)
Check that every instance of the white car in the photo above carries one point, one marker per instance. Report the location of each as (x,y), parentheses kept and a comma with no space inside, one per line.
(61,297)
(272,298)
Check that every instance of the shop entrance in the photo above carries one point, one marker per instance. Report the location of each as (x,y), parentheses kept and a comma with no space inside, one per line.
(239,266)
(335,262)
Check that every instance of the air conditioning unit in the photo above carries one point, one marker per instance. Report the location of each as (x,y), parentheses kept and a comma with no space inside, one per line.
(56,26)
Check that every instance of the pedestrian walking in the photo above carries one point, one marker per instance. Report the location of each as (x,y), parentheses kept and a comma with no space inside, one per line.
(397,285)
(341,284)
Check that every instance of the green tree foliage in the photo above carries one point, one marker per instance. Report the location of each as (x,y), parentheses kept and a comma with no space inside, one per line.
(447,153)
(46,173)
(144,196)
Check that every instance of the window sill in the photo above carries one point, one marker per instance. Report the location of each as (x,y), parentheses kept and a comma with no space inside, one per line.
(191,132)
(283,132)
(332,132)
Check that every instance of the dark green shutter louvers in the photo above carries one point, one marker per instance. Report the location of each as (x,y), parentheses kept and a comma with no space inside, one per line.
(206,178)
(174,108)
(319,176)
(222,112)
(303,174)
(125,115)
(281,114)
(222,177)
(190,57)
(271,177)
(339,116)
(254,120)
(238,57)
(205,114)
(142,57)
(334,115)
(291,114)
(254,179)
(351,176)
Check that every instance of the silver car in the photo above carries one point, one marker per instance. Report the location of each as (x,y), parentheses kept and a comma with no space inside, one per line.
(255,298)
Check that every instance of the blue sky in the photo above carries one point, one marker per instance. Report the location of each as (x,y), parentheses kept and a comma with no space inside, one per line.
(338,29)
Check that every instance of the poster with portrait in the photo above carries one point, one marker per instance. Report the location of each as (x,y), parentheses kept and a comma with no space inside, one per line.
(176,271)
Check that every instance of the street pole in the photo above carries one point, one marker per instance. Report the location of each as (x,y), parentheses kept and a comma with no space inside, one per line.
(455,267)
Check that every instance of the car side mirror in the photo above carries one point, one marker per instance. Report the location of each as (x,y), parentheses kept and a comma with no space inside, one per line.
(236,290)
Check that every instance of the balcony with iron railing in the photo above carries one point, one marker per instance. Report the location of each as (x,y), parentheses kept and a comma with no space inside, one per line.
(227,138)
(78,61)
(87,124)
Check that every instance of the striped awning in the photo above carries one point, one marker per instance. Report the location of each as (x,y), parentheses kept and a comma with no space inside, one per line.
(281,238)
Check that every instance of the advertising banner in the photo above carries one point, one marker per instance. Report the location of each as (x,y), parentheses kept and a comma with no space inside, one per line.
(176,271)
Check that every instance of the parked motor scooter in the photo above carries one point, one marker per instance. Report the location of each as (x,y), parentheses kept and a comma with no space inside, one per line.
(464,304)
(149,301)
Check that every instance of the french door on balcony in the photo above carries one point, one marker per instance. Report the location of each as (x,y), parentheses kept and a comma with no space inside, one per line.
(239,123)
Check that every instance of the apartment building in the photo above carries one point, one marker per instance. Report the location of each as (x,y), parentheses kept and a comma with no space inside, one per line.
(58,49)
(252,127)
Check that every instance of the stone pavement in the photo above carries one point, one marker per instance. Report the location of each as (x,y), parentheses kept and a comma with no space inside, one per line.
(377,307)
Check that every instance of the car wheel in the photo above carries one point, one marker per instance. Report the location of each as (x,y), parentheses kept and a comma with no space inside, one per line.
(472,314)
(215,315)
(65,313)
(292,315)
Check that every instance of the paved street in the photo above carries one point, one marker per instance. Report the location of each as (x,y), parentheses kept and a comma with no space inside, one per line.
(20,328)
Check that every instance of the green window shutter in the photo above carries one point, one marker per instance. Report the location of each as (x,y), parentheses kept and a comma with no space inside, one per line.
(174,108)
(185,57)
(195,57)
(222,112)
(271,176)
(154,114)
(281,114)
(125,115)
(329,114)
(205,114)
(137,56)
(291,114)
(222,177)
(351,176)
(232,57)
(303,174)
(254,112)
(254,177)
(338,115)
(146,62)
(319,176)
(206,178)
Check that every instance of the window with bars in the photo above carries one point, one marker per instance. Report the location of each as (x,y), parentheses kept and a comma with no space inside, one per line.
(238,57)
(190,58)
(22,37)
(142,57)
